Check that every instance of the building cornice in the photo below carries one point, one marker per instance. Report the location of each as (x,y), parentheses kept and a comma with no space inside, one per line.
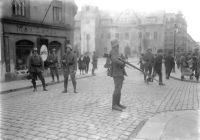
(35,24)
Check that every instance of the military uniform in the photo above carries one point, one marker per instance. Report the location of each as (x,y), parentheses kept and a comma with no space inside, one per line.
(148,60)
(36,67)
(69,64)
(117,73)
(53,65)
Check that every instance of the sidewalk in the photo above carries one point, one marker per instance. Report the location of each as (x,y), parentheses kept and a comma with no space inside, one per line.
(6,87)
(179,125)
(25,84)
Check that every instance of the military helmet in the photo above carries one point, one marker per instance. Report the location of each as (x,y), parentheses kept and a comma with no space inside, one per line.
(114,43)
(69,46)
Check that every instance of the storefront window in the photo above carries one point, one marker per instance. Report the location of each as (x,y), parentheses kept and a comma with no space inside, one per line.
(23,51)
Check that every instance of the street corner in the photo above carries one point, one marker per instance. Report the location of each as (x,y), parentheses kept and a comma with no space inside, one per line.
(177,125)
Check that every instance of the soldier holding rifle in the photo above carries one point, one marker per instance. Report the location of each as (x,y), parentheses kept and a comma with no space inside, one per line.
(69,63)
(117,72)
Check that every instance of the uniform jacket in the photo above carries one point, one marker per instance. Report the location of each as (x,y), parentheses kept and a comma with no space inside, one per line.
(169,61)
(69,63)
(35,64)
(148,58)
(53,61)
(116,64)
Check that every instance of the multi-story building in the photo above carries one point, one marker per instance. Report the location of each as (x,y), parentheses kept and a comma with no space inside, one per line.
(165,31)
(87,30)
(95,29)
(26,24)
(135,31)
(151,33)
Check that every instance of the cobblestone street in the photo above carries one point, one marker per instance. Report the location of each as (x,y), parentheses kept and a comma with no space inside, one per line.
(54,115)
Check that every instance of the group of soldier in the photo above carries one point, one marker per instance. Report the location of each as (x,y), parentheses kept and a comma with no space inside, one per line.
(150,64)
(68,63)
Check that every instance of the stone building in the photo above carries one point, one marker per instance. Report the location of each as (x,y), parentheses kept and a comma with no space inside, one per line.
(152,29)
(26,24)
(165,31)
(94,30)
(87,30)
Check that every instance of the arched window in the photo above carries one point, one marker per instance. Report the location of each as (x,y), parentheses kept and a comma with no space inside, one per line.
(23,51)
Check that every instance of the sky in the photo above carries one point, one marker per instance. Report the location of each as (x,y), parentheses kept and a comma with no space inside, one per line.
(189,8)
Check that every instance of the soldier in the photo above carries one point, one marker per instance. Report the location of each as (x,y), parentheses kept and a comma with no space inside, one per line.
(69,63)
(94,62)
(169,64)
(148,60)
(53,65)
(36,67)
(158,66)
(118,73)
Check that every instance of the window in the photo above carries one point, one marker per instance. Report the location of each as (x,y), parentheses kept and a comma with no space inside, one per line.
(18,8)
(147,35)
(102,35)
(140,34)
(117,35)
(126,36)
(57,14)
(155,35)
(109,35)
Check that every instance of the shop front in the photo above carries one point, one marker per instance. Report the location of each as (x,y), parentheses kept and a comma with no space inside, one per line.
(19,38)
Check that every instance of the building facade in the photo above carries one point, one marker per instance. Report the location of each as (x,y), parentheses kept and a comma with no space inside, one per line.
(166,32)
(95,29)
(26,24)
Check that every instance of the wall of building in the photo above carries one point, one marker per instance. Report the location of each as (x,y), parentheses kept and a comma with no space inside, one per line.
(28,28)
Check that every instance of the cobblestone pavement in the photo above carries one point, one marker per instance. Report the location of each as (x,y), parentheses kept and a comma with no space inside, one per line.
(54,115)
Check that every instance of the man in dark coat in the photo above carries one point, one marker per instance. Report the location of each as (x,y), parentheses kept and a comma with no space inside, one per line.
(36,67)
(94,62)
(118,73)
(169,64)
(148,60)
(69,64)
(158,66)
(87,60)
(53,64)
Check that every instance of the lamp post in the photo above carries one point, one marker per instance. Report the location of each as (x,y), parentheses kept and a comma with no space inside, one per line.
(175,31)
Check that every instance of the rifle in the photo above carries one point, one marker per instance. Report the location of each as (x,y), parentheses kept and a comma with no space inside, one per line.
(145,74)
